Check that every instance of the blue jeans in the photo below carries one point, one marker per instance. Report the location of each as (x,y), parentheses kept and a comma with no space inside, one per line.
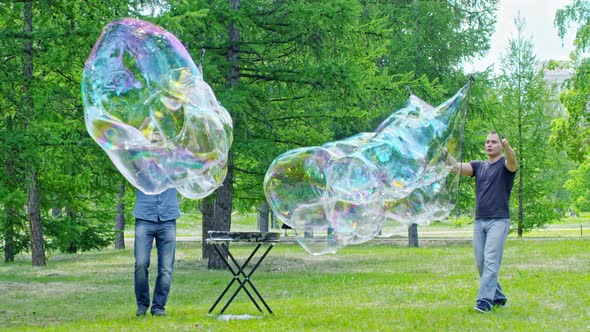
(165,234)
(489,237)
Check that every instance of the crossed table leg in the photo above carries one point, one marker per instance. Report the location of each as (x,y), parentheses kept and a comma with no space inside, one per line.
(240,276)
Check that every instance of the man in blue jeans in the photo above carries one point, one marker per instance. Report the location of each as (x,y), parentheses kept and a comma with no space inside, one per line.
(155,218)
(494,179)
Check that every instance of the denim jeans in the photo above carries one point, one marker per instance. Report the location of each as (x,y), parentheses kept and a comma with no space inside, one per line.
(489,237)
(164,232)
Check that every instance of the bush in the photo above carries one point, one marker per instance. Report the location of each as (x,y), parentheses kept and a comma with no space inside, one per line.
(70,235)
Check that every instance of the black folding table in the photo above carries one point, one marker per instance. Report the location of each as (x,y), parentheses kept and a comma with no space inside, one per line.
(220,241)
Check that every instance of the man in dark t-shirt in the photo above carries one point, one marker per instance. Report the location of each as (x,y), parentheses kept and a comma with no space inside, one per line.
(494,179)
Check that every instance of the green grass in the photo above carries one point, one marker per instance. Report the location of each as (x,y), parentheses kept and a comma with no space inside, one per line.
(369,287)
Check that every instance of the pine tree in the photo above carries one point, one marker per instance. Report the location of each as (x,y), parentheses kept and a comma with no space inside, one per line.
(525,101)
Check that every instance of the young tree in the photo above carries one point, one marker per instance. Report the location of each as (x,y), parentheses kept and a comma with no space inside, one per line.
(578,186)
(525,116)
(120,218)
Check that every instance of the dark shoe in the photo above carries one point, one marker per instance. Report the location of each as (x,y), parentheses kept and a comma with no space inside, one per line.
(158,313)
(500,303)
(141,310)
(482,307)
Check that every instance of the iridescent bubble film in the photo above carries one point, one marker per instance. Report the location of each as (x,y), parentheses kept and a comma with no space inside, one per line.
(344,192)
(148,108)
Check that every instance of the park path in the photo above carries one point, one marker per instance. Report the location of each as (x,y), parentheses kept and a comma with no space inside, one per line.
(440,235)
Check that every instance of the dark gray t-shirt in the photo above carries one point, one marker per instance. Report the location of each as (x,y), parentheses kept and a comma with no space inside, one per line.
(493,184)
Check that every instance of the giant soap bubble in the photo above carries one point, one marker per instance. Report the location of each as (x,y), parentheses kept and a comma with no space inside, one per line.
(343,192)
(148,108)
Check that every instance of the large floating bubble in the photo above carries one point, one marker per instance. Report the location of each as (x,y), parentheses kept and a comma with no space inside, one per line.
(344,191)
(148,108)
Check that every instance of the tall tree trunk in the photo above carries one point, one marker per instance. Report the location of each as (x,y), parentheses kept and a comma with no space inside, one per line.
(223,199)
(71,214)
(208,210)
(37,242)
(8,228)
(413,236)
(120,218)
(521,165)
(413,229)
(417,45)
(32,184)
(8,233)
(262,220)
(221,220)
(233,53)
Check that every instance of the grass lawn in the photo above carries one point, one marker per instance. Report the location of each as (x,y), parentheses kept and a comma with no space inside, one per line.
(368,287)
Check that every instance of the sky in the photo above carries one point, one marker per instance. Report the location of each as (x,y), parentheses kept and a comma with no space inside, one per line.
(539,16)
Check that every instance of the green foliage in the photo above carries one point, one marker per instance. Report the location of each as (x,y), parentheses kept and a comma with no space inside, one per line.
(14,233)
(51,138)
(578,12)
(578,185)
(71,235)
(433,38)
(309,72)
(572,133)
(13,224)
